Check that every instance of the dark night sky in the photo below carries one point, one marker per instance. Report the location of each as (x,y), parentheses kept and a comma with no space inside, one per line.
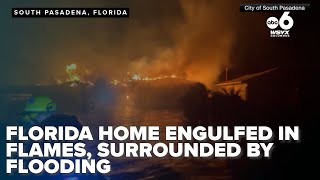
(35,50)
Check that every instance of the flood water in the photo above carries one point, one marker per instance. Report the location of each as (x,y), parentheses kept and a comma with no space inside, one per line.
(167,167)
(128,114)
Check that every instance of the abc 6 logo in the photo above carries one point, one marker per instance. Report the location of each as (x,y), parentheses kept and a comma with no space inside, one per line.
(273,22)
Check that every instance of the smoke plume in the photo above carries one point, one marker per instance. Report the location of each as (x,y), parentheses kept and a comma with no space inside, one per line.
(202,43)
(189,38)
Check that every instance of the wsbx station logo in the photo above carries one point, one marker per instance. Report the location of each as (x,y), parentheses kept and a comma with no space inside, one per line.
(280,27)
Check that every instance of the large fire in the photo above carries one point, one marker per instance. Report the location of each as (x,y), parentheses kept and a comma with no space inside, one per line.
(137,77)
(76,74)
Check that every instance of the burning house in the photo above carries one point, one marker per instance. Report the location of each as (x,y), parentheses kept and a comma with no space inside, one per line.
(167,91)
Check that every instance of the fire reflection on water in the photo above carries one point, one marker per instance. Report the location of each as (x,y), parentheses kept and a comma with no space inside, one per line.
(167,167)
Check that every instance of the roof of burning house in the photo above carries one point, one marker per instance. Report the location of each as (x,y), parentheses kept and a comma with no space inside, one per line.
(246,77)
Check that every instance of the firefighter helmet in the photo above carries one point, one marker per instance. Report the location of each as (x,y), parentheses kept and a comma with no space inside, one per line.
(40,104)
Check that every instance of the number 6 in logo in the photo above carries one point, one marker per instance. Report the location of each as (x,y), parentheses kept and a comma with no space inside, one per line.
(273,22)
(285,17)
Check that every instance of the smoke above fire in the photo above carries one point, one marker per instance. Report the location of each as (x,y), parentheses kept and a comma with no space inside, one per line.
(202,44)
(188,38)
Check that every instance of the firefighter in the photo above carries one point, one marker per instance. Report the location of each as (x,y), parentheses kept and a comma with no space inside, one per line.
(36,110)
(41,111)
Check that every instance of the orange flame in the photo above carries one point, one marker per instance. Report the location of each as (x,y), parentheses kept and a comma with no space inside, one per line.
(138,77)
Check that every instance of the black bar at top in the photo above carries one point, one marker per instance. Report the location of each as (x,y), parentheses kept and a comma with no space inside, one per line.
(273,7)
